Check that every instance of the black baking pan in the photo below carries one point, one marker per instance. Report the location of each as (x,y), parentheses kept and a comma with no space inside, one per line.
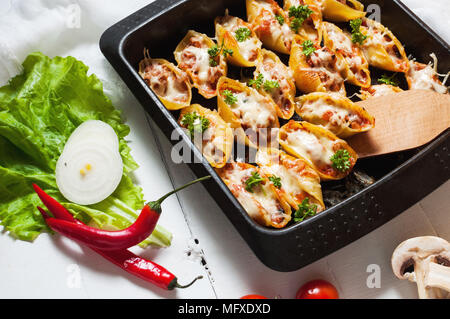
(400,180)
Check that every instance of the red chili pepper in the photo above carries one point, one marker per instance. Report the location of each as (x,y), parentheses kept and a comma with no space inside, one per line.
(125,259)
(120,239)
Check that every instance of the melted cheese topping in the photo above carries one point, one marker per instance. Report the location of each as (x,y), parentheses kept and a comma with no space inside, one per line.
(165,82)
(262,200)
(250,46)
(201,66)
(318,150)
(425,79)
(334,115)
(254,110)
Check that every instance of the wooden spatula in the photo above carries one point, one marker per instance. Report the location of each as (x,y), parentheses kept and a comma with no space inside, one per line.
(403,121)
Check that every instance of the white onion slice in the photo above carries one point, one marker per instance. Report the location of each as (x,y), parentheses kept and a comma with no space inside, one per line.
(90,168)
(95,130)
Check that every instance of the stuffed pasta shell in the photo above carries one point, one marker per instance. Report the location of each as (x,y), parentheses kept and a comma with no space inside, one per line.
(256,194)
(356,69)
(334,112)
(342,10)
(425,77)
(316,68)
(378,90)
(202,60)
(271,24)
(294,178)
(251,114)
(215,139)
(305,18)
(274,79)
(238,35)
(170,84)
(331,157)
(381,48)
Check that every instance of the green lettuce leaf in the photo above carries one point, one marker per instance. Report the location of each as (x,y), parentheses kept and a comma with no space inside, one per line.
(39,109)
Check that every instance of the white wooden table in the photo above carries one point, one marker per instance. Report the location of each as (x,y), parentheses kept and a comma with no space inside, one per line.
(54,267)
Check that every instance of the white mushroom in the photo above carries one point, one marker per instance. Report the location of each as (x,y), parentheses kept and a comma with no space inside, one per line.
(425,261)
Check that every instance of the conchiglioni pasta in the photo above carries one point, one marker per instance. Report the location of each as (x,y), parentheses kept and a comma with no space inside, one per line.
(378,90)
(238,35)
(311,29)
(261,200)
(317,146)
(297,181)
(334,112)
(192,55)
(271,24)
(217,140)
(169,83)
(342,10)
(381,48)
(270,70)
(319,72)
(356,70)
(251,114)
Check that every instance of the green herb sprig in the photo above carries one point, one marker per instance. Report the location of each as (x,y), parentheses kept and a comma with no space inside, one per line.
(280,19)
(300,14)
(276,181)
(341,160)
(308,47)
(305,209)
(389,80)
(195,123)
(357,36)
(242,34)
(215,51)
(253,181)
(229,97)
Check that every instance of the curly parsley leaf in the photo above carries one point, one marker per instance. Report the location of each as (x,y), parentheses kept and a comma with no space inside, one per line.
(276,181)
(242,34)
(253,181)
(300,14)
(270,85)
(257,82)
(308,47)
(229,97)
(305,209)
(341,160)
(195,123)
(215,51)
(280,19)
(357,36)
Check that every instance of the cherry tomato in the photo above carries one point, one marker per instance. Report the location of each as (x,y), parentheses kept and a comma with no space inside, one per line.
(253,297)
(317,289)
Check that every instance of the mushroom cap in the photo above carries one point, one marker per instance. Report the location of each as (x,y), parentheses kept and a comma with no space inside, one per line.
(415,250)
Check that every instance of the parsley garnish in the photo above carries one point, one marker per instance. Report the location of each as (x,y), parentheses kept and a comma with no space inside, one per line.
(308,47)
(195,123)
(243,34)
(270,85)
(230,99)
(275,180)
(280,19)
(215,51)
(253,181)
(300,14)
(257,82)
(390,80)
(305,209)
(341,160)
(357,36)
